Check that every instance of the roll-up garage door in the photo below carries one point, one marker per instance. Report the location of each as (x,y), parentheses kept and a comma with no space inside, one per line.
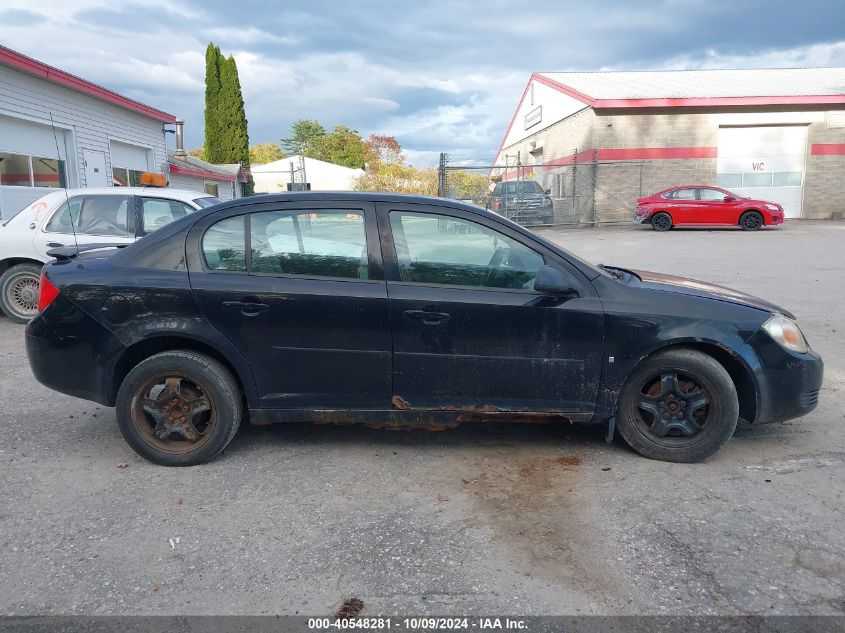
(129,156)
(764,162)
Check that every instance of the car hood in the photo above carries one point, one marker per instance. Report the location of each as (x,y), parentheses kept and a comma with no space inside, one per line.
(695,288)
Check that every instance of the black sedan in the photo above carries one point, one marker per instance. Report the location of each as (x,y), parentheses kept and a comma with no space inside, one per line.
(397,310)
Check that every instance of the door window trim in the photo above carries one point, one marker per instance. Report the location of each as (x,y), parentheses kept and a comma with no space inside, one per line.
(375,268)
(391,262)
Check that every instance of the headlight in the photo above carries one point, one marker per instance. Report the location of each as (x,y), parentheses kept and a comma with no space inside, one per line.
(772,207)
(786,332)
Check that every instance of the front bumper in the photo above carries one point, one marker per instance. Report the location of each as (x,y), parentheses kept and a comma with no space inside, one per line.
(788,383)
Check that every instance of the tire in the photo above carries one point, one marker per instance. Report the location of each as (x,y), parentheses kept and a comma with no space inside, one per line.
(179,408)
(684,432)
(661,221)
(751,221)
(19,286)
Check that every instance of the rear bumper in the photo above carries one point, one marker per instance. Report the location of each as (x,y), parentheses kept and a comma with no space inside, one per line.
(68,352)
(789,383)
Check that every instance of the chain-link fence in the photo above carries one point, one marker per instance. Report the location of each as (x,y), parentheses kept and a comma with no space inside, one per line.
(564,191)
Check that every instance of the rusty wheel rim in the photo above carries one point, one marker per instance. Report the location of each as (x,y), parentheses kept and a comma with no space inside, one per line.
(173,413)
(673,407)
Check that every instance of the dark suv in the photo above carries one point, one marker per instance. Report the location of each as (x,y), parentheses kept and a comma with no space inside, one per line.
(522,201)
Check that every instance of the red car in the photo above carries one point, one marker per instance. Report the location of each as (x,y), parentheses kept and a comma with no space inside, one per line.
(692,205)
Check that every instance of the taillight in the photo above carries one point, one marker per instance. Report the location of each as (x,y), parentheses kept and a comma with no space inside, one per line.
(47,292)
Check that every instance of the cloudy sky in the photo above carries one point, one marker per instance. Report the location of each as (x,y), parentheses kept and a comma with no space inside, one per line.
(438,75)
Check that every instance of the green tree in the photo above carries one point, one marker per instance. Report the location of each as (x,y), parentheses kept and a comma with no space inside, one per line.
(212,101)
(342,146)
(304,137)
(263,153)
(226,133)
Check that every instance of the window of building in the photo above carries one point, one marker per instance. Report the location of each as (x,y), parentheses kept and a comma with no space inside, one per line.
(125,177)
(23,170)
(757,179)
(436,249)
(729,181)
(310,243)
(787,178)
(212,188)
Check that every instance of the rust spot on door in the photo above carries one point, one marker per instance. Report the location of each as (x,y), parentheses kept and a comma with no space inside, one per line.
(400,403)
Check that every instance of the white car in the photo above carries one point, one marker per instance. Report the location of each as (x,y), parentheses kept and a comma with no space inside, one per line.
(100,216)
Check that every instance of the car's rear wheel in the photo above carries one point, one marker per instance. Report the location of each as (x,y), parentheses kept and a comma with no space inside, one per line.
(661,221)
(179,408)
(678,406)
(751,221)
(19,292)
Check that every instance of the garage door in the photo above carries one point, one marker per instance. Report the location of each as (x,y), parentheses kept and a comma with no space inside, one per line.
(765,162)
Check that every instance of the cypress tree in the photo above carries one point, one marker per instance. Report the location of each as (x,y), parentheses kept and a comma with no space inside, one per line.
(226,132)
(212,103)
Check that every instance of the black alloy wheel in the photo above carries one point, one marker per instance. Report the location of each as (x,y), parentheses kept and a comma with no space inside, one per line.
(661,221)
(751,221)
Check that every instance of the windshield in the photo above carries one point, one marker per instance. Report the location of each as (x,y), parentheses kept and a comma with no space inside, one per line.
(207,201)
(526,186)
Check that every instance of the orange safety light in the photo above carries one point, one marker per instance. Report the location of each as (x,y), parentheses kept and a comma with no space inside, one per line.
(150,179)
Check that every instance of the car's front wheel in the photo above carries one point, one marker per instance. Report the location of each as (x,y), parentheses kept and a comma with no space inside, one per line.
(751,221)
(661,221)
(678,406)
(179,408)
(19,292)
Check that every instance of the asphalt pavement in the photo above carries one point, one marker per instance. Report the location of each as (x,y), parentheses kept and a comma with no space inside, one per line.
(489,518)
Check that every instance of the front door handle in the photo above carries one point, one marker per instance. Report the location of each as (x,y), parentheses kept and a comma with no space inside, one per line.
(428,318)
(54,244)
(247,308)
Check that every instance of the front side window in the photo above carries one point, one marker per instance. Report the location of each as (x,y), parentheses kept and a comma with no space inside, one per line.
(712,195)
(93,215)
(224,245)
(156,212)
(438,249)
(322,243)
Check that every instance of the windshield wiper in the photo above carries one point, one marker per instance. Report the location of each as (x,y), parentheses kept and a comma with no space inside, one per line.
(616,273)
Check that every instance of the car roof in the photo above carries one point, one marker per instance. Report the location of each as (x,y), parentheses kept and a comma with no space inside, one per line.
(360,196)
(166,192)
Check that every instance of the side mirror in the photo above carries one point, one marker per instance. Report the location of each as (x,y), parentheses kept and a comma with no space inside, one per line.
(551,281)
(548,192)
(729,198)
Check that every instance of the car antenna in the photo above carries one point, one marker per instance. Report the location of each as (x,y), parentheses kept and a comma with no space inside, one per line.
(64,186)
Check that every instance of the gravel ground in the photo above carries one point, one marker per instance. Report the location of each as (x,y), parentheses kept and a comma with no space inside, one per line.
(533,519)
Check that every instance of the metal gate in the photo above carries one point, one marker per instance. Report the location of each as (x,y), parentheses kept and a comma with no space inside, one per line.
(562,192)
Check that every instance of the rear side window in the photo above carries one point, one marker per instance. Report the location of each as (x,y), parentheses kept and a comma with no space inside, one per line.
(224,245)
(324,243)
(94,215)
(156,212)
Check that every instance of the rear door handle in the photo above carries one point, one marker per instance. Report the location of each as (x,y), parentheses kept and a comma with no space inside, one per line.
(247,308)
(428,318)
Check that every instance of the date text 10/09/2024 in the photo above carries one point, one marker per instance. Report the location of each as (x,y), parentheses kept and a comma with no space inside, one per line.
(416,624)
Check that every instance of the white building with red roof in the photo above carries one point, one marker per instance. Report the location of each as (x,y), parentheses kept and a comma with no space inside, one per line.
(57,130)
(599,140)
